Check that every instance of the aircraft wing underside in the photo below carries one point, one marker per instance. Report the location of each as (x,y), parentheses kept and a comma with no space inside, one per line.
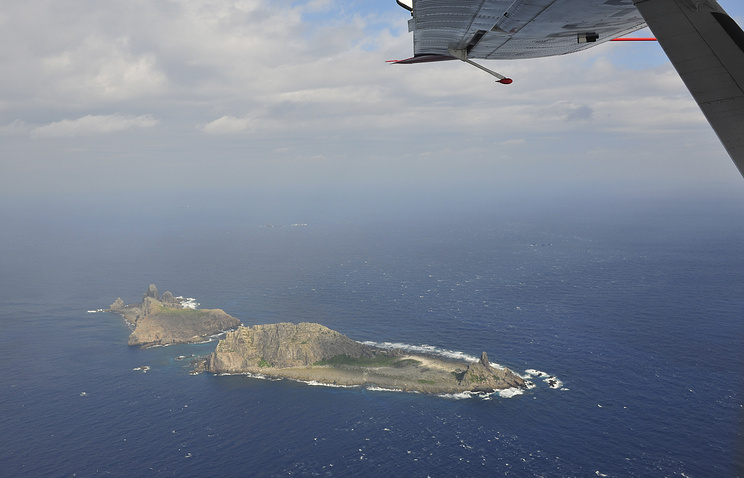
(513,29)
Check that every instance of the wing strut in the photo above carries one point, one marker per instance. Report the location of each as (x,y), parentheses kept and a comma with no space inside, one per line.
(463,55)
(501,78)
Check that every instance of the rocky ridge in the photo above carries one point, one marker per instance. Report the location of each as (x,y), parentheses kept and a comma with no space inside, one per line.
(281,346)
(164,320)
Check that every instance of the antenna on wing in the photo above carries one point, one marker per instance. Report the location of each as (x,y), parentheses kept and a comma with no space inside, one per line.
(463,55)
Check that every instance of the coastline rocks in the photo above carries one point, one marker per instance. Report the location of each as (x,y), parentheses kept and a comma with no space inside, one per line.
(168,298)
(166,322)
(482,377)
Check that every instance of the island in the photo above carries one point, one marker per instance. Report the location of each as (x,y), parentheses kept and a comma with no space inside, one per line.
(314,353)
(169,320)
(305,351)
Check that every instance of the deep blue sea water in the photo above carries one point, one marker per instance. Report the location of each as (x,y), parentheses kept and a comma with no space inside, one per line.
(636,307)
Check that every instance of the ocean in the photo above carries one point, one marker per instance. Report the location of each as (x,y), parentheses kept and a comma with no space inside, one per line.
(636,307)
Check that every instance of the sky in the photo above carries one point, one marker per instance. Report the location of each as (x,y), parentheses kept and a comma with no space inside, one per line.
(181,96)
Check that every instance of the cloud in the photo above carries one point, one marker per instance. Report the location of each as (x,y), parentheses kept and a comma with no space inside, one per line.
(105,69)
(290,79)
(579,113)
(513,142)
(229,125)
(16,128)
(92,125)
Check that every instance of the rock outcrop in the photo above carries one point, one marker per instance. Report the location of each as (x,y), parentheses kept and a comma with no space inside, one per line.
(168,298)
(165,321)
(481,376)
(282,345)
(117,305)
(313,352)
(151,292)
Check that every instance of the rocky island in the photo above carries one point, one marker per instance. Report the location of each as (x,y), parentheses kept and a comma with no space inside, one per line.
(167,320)
(313,352)
(305,351)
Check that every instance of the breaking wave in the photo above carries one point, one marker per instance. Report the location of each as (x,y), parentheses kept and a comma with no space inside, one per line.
(250,375)
(315,383)
(552,381)
(457,396)
(375,388)
(467,395)
(510,392)
(188,302)
(425,349)
(213,337)
(506,393)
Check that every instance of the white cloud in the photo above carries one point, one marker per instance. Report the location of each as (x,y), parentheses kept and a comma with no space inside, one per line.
(16,128)
(284,79)
(229,125)
(513,142)
(104,69)
(91,125)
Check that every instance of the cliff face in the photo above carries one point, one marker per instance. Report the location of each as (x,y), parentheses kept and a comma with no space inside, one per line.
(162,321)
(165,325)
(282,345)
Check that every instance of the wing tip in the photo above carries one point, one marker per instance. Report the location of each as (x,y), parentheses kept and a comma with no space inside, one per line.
(421,59)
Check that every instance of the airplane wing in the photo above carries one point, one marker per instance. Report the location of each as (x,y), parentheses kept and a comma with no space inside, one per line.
(703,43)
(706,46)
(515,29)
